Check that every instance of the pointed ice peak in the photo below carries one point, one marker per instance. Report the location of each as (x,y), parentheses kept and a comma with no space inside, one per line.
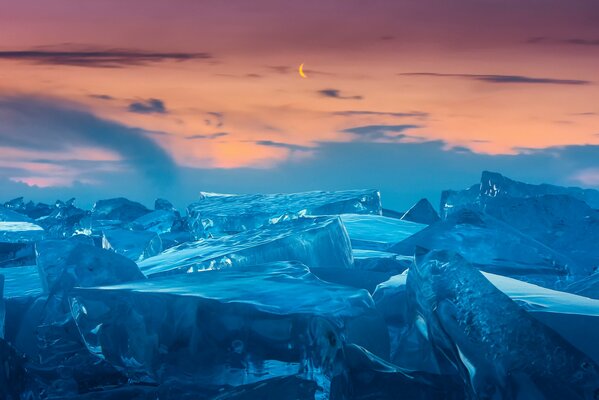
(421,212)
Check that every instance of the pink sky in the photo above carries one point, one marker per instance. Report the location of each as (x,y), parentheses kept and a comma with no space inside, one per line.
(358,48)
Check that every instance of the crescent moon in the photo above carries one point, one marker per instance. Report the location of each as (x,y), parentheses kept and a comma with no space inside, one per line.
(301,71)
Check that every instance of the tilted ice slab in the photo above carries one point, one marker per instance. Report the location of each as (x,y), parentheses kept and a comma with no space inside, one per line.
(232,326)
(575,318)
(562,222)
(499,349)
(315,241)
(218,214)
(493,246)
(494,185)
(375,232)
(135,245)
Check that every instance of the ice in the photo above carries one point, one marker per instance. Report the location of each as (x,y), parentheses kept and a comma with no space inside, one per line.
(163,204)
(159,221)
(375,232)
(588,286)
(135,245)
(316,241)
(64,264)
(422,212)
(369,377)
(21,281)
(219,214)
(390,300)
(30,209)
(118,209)
(383,261)
(371,267)
(41,326)
(17,235)
(495,247)
(15,382)
(575,318)
(233,326)
(564,219)
(63,220)
(291,387)
(498,349)
(495,185)
(2,307)
(262,297)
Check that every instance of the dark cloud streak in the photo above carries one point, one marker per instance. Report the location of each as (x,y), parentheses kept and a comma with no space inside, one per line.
(410,114)
(98,58)
(282,145)
(149,106)
(209,136)
(501,79)
(336,94)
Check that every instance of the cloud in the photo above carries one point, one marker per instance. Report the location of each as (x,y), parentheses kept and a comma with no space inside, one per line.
(49,125)
(410,114)
(381,132)
(96,57)
(404,172)
(507,79)
(336,94)
(572,41)
(215,118)
(149,106)
(209,136)
(281,145)
(101,97)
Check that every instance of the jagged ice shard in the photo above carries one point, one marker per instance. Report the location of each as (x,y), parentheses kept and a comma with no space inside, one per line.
(494,345)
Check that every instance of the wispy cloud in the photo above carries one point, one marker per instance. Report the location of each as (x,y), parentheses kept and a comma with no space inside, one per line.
(215,118)
(381,132)
(571,41)
(506,79)
(96,57)
(336,94)
(209,136)
(38,124)
(101,96)
(282,145)
(149,106)
(409,114)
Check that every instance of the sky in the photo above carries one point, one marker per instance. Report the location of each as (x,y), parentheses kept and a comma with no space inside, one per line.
(149,99)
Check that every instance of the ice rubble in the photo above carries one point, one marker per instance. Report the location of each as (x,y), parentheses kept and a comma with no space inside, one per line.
(108,309)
